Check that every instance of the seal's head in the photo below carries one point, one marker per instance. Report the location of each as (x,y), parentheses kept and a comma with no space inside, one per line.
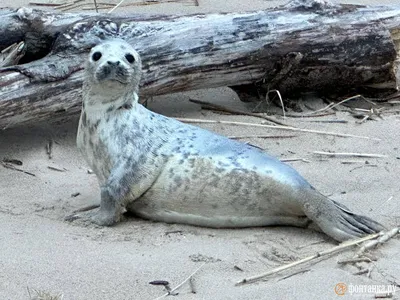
(113,70)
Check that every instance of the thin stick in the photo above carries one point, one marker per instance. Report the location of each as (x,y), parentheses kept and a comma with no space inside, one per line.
(294,159)
(382,239)
(68,4)
(116,6)
(310,116)
(56,169)
(236,137)
(384,205)
(88,6)
(95,6)
(349,154)
(293,274)
(338,248)
(308,245)
(186,120)
(11,167)
(182,283)
(354,260)
(329,121)
(86,208)
(193,285)
(49,148)
(363,271)
(349,162)
(235,111)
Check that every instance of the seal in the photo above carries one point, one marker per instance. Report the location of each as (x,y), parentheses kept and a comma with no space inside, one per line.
(163,170)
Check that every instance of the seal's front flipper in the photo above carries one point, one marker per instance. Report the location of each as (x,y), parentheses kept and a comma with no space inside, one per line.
(337,221)
(113,195)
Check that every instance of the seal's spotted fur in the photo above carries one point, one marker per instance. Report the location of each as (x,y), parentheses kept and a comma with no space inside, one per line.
(165,170)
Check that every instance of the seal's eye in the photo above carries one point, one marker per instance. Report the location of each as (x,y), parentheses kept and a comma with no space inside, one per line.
(96,56)
(130,58)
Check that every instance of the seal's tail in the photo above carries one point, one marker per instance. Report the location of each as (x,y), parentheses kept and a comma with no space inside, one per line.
(337,221)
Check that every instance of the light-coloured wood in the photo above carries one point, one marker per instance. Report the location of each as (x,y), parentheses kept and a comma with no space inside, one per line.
(292,49)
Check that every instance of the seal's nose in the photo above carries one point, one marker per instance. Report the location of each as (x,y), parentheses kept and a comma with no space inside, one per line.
(113,63)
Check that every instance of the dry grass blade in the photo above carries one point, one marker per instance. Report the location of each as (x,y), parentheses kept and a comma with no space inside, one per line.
(116,6)
(69,6)
(280,100)
(186,120)
(235,111)
(349,154)
(43,295)
(333,250)
(333,105)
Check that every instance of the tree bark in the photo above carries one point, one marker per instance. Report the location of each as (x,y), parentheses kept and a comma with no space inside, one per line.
(296,48)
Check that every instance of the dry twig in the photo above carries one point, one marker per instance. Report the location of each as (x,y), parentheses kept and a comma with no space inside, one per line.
(349,154)
(333,250)
(182,283)
(382,239)
(293,274)
(329,121)
(362,271)
(333,105)
(49,148)
(69,6)
(186,120)
(310,116)
(13,161)
(235,111)
(86,208)
(11,167)
(261,136)
(294,159)
(95,6)
(354,260)
(54,168)
(12,54)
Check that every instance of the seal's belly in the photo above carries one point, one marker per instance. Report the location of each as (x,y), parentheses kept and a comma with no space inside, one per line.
(200,192)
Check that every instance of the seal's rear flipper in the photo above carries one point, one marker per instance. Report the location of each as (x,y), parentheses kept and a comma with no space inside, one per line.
(337,221)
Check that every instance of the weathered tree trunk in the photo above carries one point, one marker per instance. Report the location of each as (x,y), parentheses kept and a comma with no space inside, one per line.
(292,48)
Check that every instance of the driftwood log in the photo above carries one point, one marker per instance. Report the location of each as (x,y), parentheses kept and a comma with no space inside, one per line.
(303,46)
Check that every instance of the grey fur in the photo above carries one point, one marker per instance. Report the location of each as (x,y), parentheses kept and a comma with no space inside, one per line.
(168,171)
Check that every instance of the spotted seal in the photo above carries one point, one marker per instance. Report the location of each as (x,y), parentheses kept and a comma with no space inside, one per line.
(164,170)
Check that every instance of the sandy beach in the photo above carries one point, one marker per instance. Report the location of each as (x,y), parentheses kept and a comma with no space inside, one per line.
(40,251)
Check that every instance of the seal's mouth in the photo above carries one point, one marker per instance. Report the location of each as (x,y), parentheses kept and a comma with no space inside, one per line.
(113,73)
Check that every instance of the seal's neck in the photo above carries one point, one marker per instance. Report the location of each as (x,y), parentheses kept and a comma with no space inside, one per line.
(99,100)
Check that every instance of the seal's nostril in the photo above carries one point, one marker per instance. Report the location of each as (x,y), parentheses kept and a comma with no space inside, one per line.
(116,63)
